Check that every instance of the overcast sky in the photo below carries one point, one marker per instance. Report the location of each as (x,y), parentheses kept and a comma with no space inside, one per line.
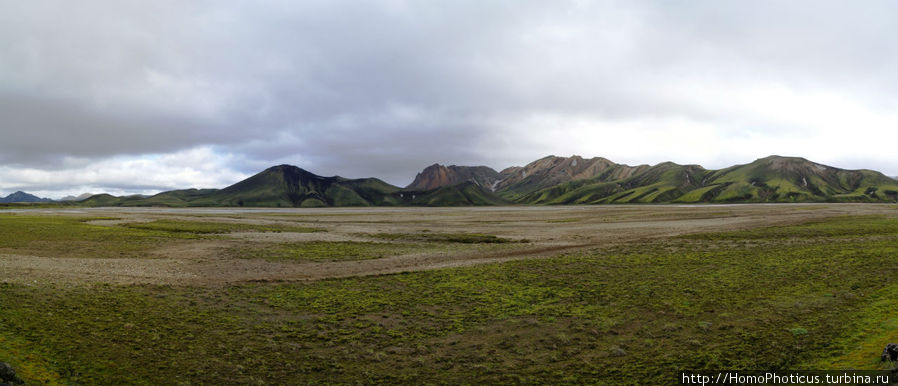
(144,96)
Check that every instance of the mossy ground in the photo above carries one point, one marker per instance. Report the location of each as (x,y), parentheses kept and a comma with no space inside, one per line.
(58,236)
(464,238)
(818,295)
(206,227)
(326,250)
(74,237)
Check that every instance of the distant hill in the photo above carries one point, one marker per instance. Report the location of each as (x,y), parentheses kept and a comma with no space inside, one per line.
(21,196)
(102,199)
(79,197)
(549,180)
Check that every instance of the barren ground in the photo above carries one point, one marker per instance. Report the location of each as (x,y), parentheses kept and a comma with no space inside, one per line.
(549,230)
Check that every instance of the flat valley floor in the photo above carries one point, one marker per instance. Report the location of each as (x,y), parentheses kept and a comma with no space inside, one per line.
(610,294)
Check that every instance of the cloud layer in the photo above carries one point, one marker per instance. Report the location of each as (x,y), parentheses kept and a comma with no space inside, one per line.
(141,97)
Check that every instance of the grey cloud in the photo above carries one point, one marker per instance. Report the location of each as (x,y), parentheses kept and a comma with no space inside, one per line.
(42,131)
(383,88)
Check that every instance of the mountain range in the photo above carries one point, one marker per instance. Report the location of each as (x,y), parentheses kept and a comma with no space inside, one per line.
(20,196)
(549,180)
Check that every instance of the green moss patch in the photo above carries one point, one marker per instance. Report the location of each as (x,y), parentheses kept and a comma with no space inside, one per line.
(206,227)
(74,237)
(326,250)
(466,238)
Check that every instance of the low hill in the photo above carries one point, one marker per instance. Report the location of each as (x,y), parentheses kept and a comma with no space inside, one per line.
(102,199)
(79,197)
(175,198)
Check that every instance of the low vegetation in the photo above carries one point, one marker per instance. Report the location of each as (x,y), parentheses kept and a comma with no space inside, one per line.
(325,250)
(206,227)
(35,205)
(466,238)
(817,295)
(846,227)
(75,237)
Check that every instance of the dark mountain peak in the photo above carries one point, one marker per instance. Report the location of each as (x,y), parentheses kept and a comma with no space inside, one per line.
(21,196)
(289,169)
(292,186)
(287,176)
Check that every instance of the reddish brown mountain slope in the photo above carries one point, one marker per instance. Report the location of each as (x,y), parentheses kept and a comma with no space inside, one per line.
(436,175)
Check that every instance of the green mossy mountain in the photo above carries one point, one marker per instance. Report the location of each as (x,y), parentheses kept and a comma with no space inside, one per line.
(770,179)
(551,171)
(549,180)
(660,183)
(290,186)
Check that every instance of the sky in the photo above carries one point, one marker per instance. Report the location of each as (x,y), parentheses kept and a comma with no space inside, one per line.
(146,96)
